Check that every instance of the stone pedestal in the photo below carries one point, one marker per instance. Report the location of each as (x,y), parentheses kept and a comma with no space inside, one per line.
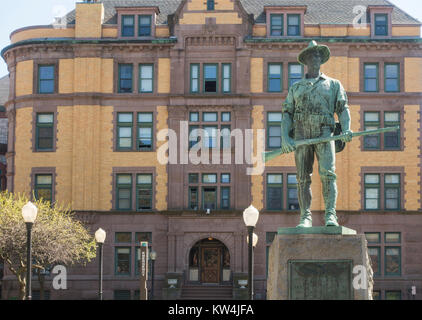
(325,263)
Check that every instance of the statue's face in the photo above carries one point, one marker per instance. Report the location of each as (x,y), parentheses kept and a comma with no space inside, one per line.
(313,60)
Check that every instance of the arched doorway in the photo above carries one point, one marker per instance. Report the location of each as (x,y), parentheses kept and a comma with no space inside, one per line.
(209,262)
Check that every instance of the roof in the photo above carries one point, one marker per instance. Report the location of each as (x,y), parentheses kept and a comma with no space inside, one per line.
(318,11)
(4,90)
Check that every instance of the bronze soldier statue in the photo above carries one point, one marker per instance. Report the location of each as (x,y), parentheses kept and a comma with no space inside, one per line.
(308,113)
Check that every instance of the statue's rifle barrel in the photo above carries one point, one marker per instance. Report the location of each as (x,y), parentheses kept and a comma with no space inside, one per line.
(274,153)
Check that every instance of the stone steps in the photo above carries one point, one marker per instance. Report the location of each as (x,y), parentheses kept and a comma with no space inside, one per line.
(207,293)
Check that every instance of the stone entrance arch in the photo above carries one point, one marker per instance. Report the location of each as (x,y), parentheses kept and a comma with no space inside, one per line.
(209,262)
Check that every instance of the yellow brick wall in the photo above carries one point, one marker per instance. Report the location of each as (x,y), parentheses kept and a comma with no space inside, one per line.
(257,180)
(312,32)
(24,77)
(221,18)
(257,65)
(413,74)
(66,76)
(89,19)
(110,32)
(259,30)
(359,32)
(406,31)
(196,5)
(163,75)
(162,32)
(333,31)
(84,157)
(42,33)
(344,69)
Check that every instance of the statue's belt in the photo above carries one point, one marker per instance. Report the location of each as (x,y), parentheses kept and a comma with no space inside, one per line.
(315,119)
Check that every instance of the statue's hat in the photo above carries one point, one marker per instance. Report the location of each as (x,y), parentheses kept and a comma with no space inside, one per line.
(313,46)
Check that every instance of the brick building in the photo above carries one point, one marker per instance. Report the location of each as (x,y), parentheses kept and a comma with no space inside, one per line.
(90,95)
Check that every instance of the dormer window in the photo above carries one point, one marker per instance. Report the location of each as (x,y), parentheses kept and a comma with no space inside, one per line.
(285,21)
(276,24)
(210,5)
(380,17)
(137,22)
(293,24)
(128,26)
(381,24)
(144,25)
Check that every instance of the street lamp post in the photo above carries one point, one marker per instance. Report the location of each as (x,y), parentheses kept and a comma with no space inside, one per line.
(29,214)
(153,256)
(250,217)
(100,236)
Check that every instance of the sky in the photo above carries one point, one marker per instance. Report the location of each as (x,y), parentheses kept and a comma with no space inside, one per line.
(22,13)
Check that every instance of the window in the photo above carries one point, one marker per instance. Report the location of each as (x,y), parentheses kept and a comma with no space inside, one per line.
(46,79)
(274,191)
(209,199)
(372,122)
(393,295)
(225,117)
(193,136)
(43,188)
(194,116)
(193,198)
(391,77)
(390,248)
(123,237)
(210,77)
(375,120)
(44,132)
(194,78)
(226,82)
(210,138)
(123,260)
(372,191)
(375,256)
(295,73)
(144,192)
(125,78)
(381,24)
(210,116)
(292,198)
(121,294)
(293,25)
(210,5)
(124,192)
(146,78)
(376,295)
(124,131)
(371,77)
(392,191)
(225,197)
(144,25)
(275,77)
(276,24)
(225,178)
(128,26)
(392,261)
(145,131)
(274,130)
(209,178)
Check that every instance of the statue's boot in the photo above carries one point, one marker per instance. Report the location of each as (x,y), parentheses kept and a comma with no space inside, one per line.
(329,191)
(304,194)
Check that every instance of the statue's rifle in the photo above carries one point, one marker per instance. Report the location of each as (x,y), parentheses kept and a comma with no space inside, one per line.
(274,153)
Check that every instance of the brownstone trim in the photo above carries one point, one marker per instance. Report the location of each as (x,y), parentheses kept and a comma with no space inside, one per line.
(388,10)
(281,170)
(285,11)
(44,109)
(381,61)
(44,170)
(135,111)
(133,171)
(382,107)
(382,171)
(37,64)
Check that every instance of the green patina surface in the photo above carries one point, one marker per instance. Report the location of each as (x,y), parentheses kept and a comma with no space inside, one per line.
(317,230)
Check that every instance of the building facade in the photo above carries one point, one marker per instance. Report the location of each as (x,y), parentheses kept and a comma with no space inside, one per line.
(96,98)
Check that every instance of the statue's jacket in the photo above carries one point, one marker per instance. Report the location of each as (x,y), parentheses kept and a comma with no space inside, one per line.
(312,104)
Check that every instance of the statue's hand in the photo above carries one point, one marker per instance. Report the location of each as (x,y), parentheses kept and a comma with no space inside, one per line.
(288,145)
(347,136)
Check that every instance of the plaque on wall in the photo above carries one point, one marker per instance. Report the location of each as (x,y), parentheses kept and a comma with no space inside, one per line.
(320,280)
